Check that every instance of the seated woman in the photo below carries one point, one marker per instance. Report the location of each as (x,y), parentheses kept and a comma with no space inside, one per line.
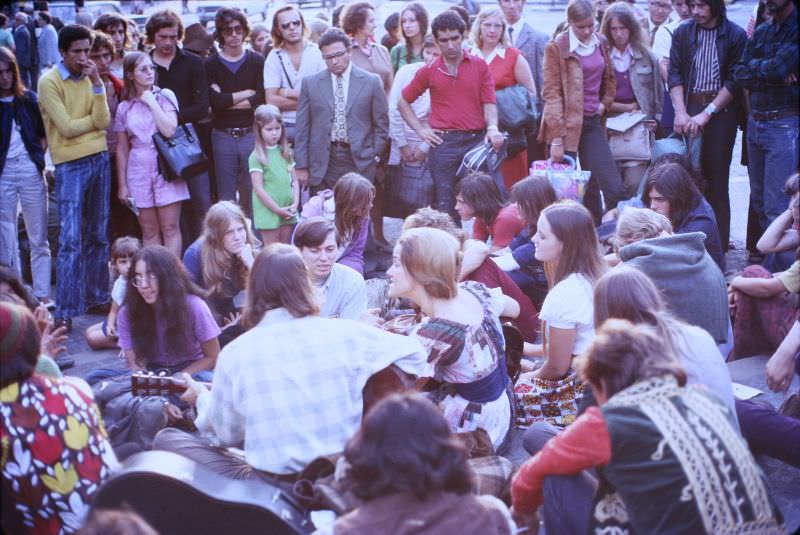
(531,195)
(463,334)
(496,221)
(348,206)
(690,282)
(56,452)
(764,304)
(566,238)
(671,192)
(485,271)
(658,447)
(219,262)
(165,325)
(413,475)
(626,293)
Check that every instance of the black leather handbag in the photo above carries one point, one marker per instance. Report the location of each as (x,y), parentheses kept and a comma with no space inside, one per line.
(180,157)
(410,187)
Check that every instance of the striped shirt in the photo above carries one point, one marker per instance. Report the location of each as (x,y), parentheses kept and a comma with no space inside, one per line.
(706,63)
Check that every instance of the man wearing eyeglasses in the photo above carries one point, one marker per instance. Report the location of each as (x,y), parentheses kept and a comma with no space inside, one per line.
(342,118)
(660,12)
(236,82)
(292,58)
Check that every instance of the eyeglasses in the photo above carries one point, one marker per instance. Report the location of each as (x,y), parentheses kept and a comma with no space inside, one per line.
(330,57)
(231,30)
(286,25)
(143,281)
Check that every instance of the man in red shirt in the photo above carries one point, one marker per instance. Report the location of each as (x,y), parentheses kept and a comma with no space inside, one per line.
(463,109)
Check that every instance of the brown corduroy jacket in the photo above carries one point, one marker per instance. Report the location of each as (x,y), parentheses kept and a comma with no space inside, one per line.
(563,91)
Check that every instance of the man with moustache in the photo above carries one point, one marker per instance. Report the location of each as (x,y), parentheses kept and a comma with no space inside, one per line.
(72,99)
(463,107)
(706,97)
(531,43)
(769,69)
(236,82)
(293,57)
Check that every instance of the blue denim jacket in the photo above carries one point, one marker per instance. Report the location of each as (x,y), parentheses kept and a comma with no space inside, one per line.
(25,111)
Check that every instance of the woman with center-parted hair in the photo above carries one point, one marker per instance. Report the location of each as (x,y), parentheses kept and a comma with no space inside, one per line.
(579,87)
(463,335)
(566,239)
(664,454)
(164,324)
(413,475)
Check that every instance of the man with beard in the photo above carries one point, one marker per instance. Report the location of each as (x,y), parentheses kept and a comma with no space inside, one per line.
(706,97)
(292,58)
(769,69)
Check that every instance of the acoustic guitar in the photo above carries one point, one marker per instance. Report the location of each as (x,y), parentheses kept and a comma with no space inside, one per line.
(180,497)
(146,383)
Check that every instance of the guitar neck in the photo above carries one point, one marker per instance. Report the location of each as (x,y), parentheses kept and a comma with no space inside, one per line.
(150,384)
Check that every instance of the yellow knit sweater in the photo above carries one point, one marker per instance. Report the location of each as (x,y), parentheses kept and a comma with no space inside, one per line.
(75,118)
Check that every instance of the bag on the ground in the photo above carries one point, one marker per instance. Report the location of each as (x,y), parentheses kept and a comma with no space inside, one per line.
(543,400)
(180,157)
(568,181)
(410,187)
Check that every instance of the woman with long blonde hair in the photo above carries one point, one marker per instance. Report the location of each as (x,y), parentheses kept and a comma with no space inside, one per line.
(220,261)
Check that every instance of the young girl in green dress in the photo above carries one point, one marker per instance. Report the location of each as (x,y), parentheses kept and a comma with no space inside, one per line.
(275,190)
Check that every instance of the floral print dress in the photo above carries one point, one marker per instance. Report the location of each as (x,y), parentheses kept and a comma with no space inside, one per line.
(55,455)
(462,353)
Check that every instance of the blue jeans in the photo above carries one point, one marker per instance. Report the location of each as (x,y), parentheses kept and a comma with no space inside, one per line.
(772,158)
(443,161)
(82,192)
(194,211)
(231,168)
(22,183)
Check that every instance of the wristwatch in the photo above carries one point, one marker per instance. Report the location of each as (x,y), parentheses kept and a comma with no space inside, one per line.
(711,109)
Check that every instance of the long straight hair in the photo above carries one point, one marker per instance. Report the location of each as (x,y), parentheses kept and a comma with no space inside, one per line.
(353,195)
(421,15)
(129,64)
(573,225)
(217,264)
(623,12)
(17,85)
(171,308)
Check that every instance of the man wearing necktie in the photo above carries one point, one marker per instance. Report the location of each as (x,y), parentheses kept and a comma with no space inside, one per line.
(342,118)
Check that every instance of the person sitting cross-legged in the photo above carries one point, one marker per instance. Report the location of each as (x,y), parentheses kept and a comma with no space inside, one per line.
(290,388)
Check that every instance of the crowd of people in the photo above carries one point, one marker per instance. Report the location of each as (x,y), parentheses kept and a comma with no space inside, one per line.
(220,197)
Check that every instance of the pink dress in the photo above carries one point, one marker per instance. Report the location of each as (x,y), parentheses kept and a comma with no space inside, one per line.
(146,185)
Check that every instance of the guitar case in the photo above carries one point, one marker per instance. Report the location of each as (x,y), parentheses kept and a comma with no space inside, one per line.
(178,496)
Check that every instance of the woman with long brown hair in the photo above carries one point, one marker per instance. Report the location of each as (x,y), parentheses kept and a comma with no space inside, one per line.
(414,27)
(566,238)
(21,181)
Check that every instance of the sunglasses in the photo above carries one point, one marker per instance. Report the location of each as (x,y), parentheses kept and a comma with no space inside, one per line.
(231,30)
(287,25)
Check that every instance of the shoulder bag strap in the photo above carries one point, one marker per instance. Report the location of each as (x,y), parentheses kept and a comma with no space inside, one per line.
(280,59)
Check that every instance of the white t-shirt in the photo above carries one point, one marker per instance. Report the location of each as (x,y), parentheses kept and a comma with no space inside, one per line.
(118,290)
(570,305)
(16,146)
(662,41)
(275,76)
(704,365)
